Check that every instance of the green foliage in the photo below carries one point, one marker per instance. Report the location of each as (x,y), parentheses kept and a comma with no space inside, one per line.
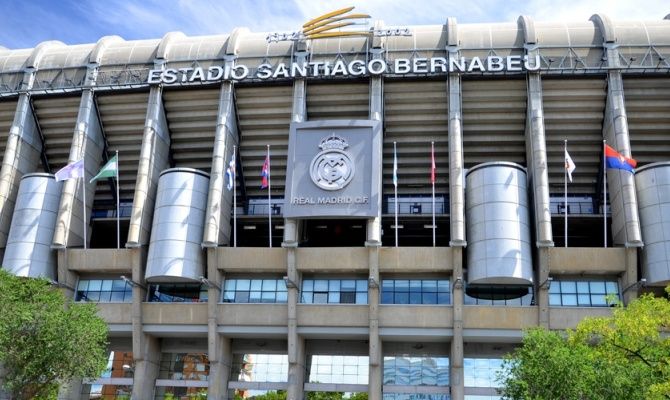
(271,395)
(45,340)
(324,395)
(625,356)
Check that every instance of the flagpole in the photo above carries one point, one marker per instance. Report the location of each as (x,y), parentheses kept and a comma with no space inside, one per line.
(565,190)
(395,184)
(118,207)
(234,197)
(604,195)
(269,201)
(83,191)
(432,175)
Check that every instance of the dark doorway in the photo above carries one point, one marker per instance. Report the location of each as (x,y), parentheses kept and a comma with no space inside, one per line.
(334,233)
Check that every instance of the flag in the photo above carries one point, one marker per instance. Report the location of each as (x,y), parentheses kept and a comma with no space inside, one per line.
(109,170)
(432,164)
(395,167)
(71,171)
(616,160)
(569,165)
(265,172)
(230,174)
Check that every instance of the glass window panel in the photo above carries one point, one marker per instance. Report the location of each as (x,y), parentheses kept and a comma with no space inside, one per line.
(401,285)
(598,287)
(555,288)
(256,285)
(105,297)
(269,285)
(241,297)
(229,284)
(361,285)
(569,300)
(320,298)
(402,298)
(118,284)
(387,297)
(308,285)
(308,297)
(93,296)
(82,285)
(94,285)
(414,298)
(254,297)
(415,286)
(443,285)
(429,298)
(444,298)
(281,285)
(243,284)
(348,284)
(348,298)
(598,300)
(320,285)
(429,285)
(117,297)
(583,287)
(282,297)
(106,285)
(584,300)
(387,284)
(568,287)
(228,297)
(612,288)
(361,298)
(334,297)
(334,285)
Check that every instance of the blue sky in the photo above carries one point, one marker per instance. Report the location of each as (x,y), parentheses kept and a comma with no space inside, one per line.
(25,23)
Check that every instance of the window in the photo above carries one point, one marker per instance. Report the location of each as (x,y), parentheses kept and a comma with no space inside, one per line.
(104,291)
(254,291)
(416,371)
(498,295)
(184,366)
(482,372)
(416,291)
(582,293)
(415,396)
(177,293)
(114,381)
(260,368)
(339,369)
(334,291)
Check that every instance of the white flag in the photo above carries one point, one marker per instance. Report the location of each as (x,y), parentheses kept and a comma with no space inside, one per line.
(230,174)
(569,165)
(71,171)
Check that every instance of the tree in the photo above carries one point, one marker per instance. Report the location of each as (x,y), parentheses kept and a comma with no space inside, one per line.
(44,339)
(624,356)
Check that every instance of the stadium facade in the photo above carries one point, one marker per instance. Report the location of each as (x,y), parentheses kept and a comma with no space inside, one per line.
(196,299)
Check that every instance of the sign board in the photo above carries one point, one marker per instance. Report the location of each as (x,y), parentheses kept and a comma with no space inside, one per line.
(334,169)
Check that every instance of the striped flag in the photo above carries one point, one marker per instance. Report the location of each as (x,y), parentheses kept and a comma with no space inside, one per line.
(569,165)
(109,170)
(265,172)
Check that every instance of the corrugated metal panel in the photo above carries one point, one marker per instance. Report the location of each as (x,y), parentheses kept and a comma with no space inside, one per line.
(648,109)
(57,117)
(191,116)
(416,113)
(7,110)
(494,121)
(338,101)
(573,111)
(264,115)
(123,117)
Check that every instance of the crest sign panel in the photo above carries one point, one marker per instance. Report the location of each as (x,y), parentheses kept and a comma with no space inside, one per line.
(334,169)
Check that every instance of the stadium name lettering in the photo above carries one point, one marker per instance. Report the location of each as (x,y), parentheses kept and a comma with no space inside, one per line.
(400,66)
(299,200)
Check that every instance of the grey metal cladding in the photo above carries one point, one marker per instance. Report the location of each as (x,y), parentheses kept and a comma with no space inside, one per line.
(348,151)
(653,195)
(28,250)
(175,254)
(498,234)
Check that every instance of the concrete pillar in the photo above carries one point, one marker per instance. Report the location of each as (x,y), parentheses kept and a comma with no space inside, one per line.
(153,159)
(374,225)
(625,226)
(219,348)
(296,343)
(147,360)
(219,203)
(376,368)
(629,279)
(87,144)
(456,358)
(22,156)
(543,283)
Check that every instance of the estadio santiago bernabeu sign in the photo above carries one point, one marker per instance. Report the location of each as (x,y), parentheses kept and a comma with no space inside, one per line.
(316,69)
(333,169)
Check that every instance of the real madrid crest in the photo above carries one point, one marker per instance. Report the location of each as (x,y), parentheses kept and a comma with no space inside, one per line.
(332,168)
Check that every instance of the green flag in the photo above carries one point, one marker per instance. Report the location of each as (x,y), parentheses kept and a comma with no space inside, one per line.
(110,170)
